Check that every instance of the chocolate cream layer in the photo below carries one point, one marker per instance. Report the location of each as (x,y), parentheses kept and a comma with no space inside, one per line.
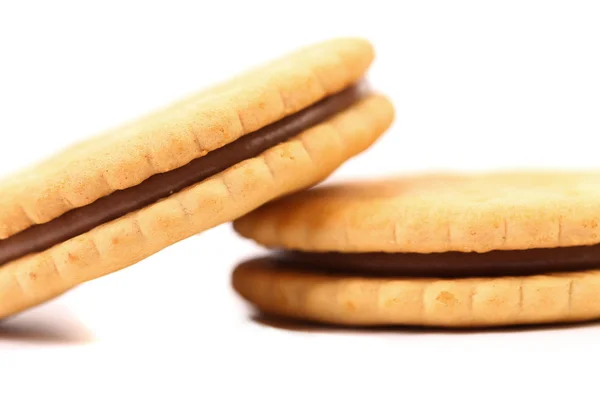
(449,264)
(108,208)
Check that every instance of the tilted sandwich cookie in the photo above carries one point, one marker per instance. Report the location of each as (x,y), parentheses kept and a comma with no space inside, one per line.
(117,198)
(486,249)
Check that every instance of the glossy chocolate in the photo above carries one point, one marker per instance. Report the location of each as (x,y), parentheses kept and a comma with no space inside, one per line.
(450,264)
(157,187)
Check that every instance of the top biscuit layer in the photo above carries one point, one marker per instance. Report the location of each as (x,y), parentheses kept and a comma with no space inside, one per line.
(175,135)
(435,213)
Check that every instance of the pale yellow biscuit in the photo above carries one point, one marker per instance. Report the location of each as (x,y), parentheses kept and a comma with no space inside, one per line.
(370,301)
(435,213)
(290,166)
(186,130)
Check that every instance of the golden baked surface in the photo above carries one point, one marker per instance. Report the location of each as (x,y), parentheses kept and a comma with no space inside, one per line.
(371,301)
(435,213)
(170,138)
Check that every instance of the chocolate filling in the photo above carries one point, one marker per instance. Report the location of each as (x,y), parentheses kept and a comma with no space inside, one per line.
(108,208)
(450,264)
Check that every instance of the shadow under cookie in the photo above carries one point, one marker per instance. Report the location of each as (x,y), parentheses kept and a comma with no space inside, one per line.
(52,324)
(297,325)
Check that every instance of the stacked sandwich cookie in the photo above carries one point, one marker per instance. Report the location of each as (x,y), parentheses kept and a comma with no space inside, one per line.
(117,198)
(472,250)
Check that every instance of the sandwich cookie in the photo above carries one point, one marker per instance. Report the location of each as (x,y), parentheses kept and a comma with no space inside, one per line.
(119,197)
(472,250)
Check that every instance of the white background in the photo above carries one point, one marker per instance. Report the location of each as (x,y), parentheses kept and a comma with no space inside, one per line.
(477,85)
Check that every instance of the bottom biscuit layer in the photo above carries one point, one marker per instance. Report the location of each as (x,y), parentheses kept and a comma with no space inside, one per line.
(370,301)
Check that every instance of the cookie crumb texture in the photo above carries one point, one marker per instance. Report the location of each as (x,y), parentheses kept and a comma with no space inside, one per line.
(435,213)
(175,135)
(466,303)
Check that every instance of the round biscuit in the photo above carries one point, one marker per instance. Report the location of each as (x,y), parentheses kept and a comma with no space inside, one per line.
(290,166)
(351,300)
(185,130)
(430,213)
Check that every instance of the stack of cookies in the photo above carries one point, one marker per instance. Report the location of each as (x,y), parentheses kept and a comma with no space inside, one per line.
(437,250)
(478,250)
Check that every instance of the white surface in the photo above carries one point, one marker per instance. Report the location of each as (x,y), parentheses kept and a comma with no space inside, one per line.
(477,85)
